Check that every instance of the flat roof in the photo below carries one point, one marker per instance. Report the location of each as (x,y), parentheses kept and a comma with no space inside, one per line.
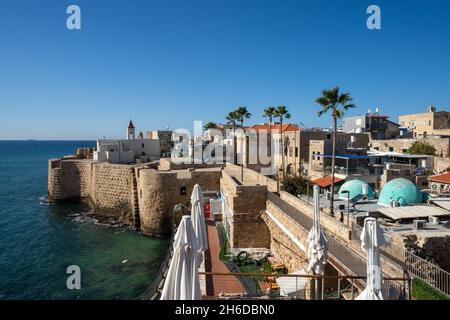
(442,203)
(344,156)
(396,154)
(412,212)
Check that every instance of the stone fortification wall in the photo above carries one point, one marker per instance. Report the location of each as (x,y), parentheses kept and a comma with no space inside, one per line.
(159,192)
(260,178)
(112,191)
(247,229)
(108,188)
(69,180)
(135,195)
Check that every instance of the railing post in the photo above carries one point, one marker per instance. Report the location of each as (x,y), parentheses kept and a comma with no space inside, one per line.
(339,287)
(353,289)
(323,287)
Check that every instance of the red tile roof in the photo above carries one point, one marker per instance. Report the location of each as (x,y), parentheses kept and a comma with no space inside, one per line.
(286,127)
(444,178)
(326,181)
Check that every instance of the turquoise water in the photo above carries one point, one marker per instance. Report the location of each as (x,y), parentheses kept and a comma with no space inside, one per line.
(39,241)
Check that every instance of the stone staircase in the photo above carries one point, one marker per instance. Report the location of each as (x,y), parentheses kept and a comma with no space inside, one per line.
(137,219)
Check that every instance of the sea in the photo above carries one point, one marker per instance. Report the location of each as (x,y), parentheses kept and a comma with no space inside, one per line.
(40,241)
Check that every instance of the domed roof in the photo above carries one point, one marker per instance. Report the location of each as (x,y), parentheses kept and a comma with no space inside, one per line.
(401,190)
(355,187)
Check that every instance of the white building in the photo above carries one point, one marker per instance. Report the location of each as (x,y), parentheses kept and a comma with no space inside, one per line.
(128,150)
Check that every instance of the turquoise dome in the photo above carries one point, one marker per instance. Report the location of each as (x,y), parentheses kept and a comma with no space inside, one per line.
(401,190)
(355,187)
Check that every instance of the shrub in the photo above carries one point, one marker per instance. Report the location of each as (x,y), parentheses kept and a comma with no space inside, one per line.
(419,147)
(423,291)
(296,185)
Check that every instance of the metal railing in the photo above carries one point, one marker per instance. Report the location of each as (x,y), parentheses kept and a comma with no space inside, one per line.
(153,291)
(304,286)
(416,266)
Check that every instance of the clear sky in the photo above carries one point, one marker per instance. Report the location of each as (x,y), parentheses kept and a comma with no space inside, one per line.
(170,62)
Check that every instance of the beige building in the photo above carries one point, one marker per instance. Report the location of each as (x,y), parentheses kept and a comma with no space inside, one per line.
(165,141)
(298,145)
(431,122)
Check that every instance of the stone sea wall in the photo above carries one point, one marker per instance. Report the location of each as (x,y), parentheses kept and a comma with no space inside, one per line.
(135,195)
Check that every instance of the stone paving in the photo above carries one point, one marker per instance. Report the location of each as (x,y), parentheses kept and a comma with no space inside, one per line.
(215,285)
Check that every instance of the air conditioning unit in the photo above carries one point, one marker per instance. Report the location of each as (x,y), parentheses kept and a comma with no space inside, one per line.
(419,224)
(342,207)
(433,220)
(394,204)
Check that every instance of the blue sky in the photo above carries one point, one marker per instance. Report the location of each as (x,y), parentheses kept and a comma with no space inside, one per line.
(172,62)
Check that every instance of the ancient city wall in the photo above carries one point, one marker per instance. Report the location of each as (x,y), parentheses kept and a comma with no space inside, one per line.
(247,229)
(112,191)
(442,145)
(159,192)
(127,193)
(260,178)
(69,180)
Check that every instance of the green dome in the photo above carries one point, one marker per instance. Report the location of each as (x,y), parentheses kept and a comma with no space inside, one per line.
(355,187)
(401,190)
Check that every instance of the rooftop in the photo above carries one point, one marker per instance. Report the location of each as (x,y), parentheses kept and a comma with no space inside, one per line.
(413,212)
(443,178)
(326,181)
(267,127)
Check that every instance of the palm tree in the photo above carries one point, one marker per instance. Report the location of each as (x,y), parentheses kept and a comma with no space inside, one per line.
(232,119)
(281,113)
(331,100)
(269,112)
(210,125)
(242,114)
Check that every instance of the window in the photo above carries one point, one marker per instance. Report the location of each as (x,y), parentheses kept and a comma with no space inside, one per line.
(328,136)
(290,151)
(296,152)
(140,193)
(182,191)
(142,146)
(391,149)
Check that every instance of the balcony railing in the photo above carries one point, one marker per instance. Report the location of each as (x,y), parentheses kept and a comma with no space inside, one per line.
(304,286)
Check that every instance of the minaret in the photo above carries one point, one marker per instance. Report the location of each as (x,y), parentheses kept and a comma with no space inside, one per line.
(130,131)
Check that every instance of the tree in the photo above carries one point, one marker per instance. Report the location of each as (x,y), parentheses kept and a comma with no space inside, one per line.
(269,112)
(210,125)
(420,147)
(334,102)
(281,113)
(296,185)
(232,119)
(242,114)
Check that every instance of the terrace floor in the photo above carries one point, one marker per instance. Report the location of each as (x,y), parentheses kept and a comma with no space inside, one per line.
(216,285)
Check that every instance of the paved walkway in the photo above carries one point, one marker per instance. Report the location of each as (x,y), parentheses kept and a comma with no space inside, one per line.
(341,252)
(218,284)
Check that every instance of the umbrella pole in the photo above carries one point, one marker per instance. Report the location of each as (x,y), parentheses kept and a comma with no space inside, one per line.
(316,288)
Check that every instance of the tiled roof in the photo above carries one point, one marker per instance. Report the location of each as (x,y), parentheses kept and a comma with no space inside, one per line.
(286,127)
(326,181)
(444,178)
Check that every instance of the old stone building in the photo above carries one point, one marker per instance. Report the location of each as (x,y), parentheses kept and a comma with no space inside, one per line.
(428,123)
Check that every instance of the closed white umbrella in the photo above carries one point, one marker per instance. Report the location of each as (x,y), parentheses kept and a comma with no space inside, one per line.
(317,242)
(372,238)
(198,218)
(182,280)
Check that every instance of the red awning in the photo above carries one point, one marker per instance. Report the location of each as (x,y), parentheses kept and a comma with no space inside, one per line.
(325,182)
